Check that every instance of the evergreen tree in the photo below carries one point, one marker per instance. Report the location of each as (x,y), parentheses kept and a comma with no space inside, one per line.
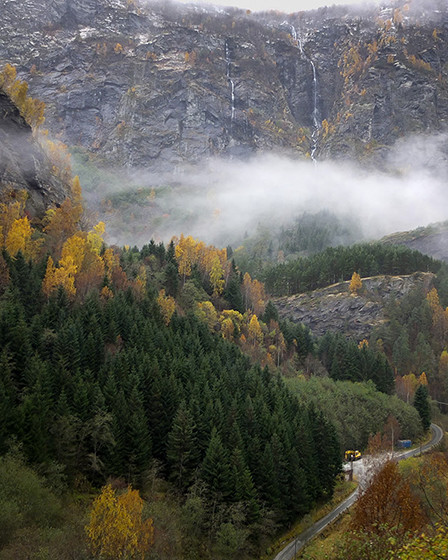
(138,438)
(270,313)
(171,280)
(36,421)
(421,403)
(182,448)
(244,489)
(215,469)
(267,480)
(327,449)
(232,292)
(8,396)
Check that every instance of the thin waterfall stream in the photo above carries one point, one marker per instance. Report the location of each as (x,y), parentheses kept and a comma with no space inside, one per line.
(316,113)
(230,80)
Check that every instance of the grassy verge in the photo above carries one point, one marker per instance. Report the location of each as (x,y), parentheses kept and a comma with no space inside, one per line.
(343,489)
(325,545)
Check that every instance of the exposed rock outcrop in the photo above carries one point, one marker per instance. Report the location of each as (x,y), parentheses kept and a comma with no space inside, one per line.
(336,309)
(431,240)
(23,164)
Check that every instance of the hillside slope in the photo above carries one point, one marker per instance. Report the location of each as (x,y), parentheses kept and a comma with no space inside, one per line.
(336,309)
(431,240)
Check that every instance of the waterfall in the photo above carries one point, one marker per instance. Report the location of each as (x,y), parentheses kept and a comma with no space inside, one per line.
(316,113)
(230,80)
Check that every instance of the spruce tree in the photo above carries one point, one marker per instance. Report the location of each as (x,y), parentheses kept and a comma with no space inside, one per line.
(138,440)
(421,403)
(244,489)
(182,448)
(8,397)
(232,292)
(215,470)
(270,313)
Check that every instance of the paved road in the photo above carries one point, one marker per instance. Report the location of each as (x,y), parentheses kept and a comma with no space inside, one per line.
(289,552)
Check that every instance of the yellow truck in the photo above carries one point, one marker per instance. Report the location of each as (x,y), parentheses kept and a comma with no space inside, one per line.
(352,455)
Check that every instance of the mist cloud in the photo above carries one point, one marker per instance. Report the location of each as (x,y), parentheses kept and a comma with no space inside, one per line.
(287,6)
(221,201)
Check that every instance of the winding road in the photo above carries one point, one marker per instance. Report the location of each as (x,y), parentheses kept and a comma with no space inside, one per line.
(290,551)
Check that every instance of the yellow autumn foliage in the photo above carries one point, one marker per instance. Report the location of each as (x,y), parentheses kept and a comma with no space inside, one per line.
(31,109)
(74,247)
(255,333)
(432,545)
(355,283)
(18,236)
(206,312)
(167,306)
(63,276)
(116,529)
(211,262)
(217,276)
(95,237)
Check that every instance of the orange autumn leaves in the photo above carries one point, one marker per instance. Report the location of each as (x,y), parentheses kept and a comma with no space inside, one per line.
(388,502)
(403,514)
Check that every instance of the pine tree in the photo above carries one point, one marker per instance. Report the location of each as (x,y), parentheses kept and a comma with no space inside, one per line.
(215,469)
(182,447)
(8,411)
(270,313)
(421,403)
(36,420)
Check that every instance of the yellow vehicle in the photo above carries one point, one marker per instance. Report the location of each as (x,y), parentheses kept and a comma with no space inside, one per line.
(351,455)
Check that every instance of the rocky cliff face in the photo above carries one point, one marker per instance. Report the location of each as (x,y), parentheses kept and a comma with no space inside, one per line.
(23,164)
(431,240)
(164,84)
(336,309)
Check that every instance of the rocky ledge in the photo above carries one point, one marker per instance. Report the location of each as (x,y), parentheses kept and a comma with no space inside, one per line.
(335,309)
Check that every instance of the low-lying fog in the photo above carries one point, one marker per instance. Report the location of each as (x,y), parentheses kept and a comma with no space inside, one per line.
(222,201)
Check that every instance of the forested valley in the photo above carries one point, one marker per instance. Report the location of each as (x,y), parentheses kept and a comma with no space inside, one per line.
(154,405)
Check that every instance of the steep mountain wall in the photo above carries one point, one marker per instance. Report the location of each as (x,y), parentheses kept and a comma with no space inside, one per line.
(164,84)
(24,165)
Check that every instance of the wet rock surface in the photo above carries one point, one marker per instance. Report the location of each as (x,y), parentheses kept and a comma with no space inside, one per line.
(148,86)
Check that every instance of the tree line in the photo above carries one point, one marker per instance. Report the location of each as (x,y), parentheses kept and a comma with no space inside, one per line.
(337,265)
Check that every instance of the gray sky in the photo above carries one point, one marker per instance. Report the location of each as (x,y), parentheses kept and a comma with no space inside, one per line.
(287,6)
